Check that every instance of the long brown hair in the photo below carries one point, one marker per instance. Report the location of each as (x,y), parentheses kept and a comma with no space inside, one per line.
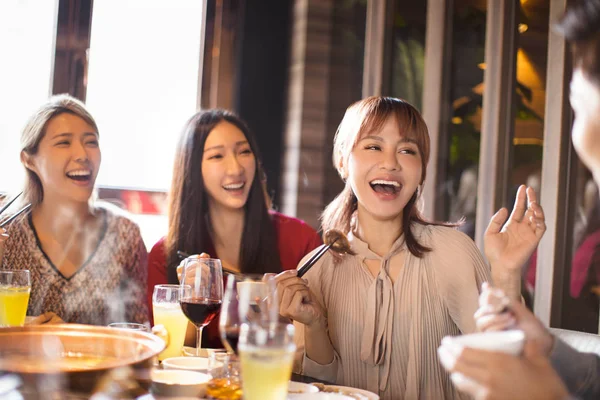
(366,116)
(35,130)
(189,223)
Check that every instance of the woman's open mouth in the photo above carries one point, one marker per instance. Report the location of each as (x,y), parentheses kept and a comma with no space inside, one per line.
(386,187)
(80,176)
(235,188)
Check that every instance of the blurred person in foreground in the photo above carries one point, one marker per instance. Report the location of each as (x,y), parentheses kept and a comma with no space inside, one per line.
(87,261)
(548,369)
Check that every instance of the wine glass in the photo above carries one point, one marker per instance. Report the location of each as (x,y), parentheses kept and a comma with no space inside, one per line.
(248,298)
(201,292)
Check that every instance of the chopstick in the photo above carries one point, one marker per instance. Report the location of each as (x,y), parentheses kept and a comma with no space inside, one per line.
(15,215)
(183,255)
(9,203)
(304,268)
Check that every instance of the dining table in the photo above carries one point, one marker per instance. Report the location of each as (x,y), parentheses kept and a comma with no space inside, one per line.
(19,394)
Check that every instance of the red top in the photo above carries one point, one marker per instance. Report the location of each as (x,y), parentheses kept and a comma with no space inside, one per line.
(584,259)
(295,239)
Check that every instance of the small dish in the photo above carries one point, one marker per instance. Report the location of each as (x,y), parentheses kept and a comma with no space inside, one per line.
(188,363)
(178,383)
(189,351)
(319,396)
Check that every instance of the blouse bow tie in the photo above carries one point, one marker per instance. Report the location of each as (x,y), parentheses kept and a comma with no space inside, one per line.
(378,331)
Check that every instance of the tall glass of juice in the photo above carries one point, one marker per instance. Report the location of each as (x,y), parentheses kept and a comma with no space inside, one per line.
(266,356)
(15,287)
(167,312)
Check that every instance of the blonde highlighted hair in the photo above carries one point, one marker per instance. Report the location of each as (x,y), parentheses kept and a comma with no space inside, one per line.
(35,130)
(361,118)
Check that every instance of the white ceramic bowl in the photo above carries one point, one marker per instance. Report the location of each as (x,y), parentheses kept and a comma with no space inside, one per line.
(189,351)
(178,383)
(510,342)
(189,363)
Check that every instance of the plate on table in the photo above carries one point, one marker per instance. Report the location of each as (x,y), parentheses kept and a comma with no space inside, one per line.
(355,393)
(298,387)
(294,388)
(150,396)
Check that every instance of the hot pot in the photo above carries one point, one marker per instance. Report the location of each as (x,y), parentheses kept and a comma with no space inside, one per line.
(75,358)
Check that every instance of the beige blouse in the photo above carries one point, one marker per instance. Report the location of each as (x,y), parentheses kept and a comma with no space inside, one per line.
(385,335)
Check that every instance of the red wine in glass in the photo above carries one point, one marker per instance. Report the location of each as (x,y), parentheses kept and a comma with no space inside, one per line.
(201,292)
(200,311)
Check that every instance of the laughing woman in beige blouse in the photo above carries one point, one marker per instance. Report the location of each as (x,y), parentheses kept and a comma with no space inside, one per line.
(374,319)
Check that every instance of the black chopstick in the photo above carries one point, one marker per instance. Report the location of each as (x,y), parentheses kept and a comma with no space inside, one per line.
(304,268)
(9,203)
(183,255)
(15,215)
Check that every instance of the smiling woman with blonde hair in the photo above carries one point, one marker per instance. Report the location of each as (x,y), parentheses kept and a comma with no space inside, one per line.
(87,261)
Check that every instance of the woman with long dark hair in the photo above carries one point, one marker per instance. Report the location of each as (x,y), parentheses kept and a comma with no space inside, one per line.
(218,205)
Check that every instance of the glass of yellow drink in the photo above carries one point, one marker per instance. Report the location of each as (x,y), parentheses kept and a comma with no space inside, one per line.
(167,312)
(15,287)
(266,356)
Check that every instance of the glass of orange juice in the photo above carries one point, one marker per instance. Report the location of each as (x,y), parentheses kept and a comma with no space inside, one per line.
(15,287)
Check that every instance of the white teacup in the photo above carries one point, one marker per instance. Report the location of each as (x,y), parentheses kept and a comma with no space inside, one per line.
(510,342)
(190,363)
(178,383)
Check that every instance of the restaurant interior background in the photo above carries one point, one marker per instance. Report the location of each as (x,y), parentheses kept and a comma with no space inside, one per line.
(490,77)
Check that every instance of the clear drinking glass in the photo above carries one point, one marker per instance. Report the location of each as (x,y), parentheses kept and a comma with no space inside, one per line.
(224,369)
(201,292)
(266,358)
(15,287)
(248,298)
(167,312)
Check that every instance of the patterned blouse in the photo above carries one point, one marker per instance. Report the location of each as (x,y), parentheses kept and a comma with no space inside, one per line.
(109,287)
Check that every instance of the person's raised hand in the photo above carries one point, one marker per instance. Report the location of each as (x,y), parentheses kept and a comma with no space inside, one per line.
(509,244)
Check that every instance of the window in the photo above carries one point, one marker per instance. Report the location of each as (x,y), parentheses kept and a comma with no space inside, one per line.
(144,65)
(27,36)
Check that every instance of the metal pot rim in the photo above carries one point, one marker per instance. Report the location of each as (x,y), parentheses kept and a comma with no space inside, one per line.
(152,346)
